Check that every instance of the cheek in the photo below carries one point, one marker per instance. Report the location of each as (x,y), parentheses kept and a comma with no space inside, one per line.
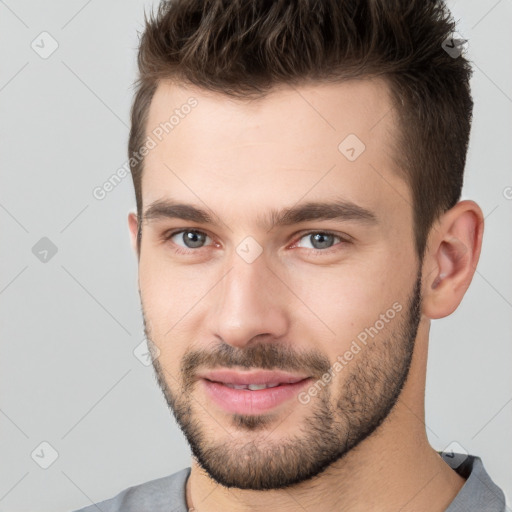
(177,301)
(168,289)
(343,302)
(165,301)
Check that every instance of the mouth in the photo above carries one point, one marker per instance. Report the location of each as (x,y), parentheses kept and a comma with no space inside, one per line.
(253,380)
(251,392)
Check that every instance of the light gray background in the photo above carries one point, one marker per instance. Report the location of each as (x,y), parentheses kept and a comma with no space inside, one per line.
(68,374)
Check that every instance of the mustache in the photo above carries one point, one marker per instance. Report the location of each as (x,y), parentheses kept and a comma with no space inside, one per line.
(266,356)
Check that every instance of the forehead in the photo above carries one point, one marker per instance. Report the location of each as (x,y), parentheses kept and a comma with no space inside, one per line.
(361,106)
(295,142)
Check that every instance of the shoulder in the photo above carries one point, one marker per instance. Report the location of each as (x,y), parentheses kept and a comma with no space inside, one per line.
(166,493)
(479,492)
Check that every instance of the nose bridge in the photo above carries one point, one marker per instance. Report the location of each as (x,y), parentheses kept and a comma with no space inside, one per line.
(246,287)
(249,299)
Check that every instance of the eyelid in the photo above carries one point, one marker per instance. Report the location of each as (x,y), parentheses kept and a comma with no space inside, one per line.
(166,236)
(342,236)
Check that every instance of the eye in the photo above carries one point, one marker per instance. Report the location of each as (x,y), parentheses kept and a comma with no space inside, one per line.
(191,239)
(321,241)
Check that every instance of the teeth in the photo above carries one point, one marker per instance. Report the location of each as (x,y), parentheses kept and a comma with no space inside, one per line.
(252,387)
(255,387)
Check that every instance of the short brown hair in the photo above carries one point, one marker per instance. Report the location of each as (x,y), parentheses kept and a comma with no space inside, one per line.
(243,48)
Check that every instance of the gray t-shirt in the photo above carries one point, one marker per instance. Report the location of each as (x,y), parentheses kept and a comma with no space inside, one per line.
(167,494)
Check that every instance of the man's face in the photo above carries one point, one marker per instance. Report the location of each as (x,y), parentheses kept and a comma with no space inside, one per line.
(312,297)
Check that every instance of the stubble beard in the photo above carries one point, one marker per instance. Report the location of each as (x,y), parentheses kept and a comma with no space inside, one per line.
(370,386)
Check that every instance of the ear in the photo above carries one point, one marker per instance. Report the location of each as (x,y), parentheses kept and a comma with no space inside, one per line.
(133,226)
(451,258)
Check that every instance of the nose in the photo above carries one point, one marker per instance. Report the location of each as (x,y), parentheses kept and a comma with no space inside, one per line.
(251,301)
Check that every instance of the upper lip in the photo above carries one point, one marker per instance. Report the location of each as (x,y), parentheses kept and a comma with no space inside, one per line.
(251,377)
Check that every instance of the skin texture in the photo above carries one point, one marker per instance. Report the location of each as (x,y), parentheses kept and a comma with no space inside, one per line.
(360,442)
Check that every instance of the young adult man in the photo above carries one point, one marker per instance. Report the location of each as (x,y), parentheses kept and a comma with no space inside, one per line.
(298,168)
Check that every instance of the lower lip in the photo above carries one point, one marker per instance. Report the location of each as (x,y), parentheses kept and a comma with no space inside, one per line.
(245,401)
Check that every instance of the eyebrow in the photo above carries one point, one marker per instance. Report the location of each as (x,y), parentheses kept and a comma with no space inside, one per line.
(340,210)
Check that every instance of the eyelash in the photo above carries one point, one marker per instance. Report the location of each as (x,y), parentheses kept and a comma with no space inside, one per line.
(181,250)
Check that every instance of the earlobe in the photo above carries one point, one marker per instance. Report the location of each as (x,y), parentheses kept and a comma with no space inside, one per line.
(451,258)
